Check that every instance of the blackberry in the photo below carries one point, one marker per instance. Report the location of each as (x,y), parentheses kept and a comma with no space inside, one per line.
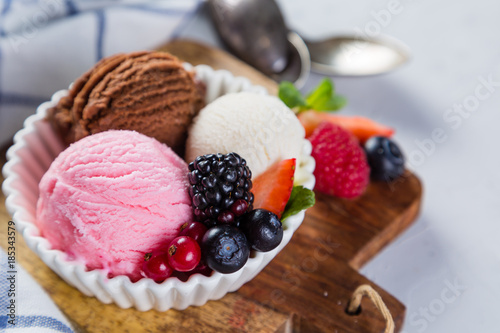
(219,183)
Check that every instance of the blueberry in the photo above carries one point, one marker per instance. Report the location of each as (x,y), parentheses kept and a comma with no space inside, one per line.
(385,158)
(225,248)
(262,228)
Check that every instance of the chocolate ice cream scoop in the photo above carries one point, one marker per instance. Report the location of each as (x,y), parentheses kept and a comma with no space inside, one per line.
(149,92)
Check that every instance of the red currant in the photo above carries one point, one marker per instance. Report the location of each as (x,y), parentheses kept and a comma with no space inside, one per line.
(200,269)
(184,254)
(156,267)
(195,230)
(239,207)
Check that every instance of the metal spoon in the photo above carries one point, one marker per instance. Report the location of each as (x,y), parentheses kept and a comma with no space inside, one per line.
(256,32)
(299,62)
(356,56)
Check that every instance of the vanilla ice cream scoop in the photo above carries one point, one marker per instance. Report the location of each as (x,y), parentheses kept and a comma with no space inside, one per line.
(260,128)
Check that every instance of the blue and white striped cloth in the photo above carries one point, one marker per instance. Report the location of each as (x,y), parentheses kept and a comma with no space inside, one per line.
(25,307)
(46,44)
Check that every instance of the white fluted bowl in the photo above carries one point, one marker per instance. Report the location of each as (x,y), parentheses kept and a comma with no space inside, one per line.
(34,149)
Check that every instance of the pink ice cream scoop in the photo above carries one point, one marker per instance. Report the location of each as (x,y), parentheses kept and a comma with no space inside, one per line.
(112,197)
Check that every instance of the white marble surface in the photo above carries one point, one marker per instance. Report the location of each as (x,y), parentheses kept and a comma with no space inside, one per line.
(446,267)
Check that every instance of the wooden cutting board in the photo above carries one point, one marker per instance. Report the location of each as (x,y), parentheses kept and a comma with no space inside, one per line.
(306,288)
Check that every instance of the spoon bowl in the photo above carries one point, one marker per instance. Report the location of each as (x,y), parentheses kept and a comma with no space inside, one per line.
(352,56)
(299,62)
(254,30)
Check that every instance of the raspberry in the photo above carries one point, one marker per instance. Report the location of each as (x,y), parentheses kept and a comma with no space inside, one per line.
(341,166)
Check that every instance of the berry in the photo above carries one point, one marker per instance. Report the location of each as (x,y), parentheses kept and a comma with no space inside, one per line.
(239,207)
(272,188)
(385,159)
(226,217)
(201,269)
(225,248)
(184,254)
(194,229)
(341,166)
(361,127)
(263,229)
(156,267)
(217,182)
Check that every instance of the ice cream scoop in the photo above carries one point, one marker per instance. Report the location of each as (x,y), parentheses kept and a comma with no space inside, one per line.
(255,30)
(260,128)
(149,92)
(112,197)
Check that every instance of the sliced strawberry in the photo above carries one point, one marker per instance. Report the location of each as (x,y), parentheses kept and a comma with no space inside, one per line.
(363,128)
(272,188)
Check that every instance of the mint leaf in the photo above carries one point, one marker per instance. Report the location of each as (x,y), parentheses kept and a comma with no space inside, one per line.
(290,95)
(321,94)
(333,103)
(301,198)
(321,98)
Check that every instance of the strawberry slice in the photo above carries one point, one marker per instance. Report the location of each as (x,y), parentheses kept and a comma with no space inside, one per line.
(363,128)
(272,188)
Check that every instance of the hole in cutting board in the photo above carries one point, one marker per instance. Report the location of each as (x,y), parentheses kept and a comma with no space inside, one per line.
(355,313)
